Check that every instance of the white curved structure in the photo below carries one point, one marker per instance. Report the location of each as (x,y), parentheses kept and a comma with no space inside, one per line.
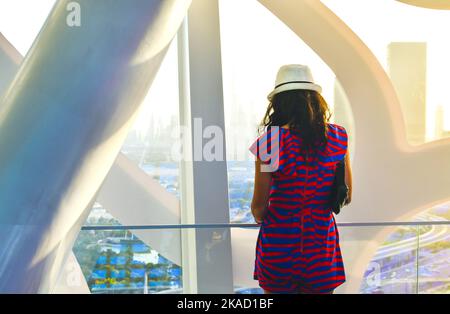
(76,122)
(71,278)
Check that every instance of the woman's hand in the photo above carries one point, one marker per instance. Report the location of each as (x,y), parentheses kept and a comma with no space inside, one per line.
(348,200)
(258,221)
(260,217)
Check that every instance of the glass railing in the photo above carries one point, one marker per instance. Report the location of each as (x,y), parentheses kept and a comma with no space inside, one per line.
(411,257)
(379,257)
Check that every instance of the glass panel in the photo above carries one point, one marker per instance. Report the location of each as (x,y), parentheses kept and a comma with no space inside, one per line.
(121,262)
(243,241)
(150,141)
(434,254)
(413,54)
(144,188)
(118,261)
(397,255)
(393,268)
(249,75)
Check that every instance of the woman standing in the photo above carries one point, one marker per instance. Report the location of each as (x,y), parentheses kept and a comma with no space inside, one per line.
(297,250)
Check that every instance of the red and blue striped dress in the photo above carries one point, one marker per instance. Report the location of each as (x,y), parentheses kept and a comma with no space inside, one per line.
(298,242)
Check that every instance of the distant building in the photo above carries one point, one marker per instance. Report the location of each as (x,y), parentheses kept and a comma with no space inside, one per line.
(407,68)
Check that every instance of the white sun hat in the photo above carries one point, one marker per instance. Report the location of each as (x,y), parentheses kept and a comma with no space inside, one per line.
(294,76)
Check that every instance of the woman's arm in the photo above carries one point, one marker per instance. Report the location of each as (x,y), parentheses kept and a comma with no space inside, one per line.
(260,192)
(348,177)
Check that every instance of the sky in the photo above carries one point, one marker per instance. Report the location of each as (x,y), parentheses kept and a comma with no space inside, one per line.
(376,22)
(21,20)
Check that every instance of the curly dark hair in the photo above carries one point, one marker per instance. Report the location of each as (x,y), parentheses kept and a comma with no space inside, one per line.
(305,111)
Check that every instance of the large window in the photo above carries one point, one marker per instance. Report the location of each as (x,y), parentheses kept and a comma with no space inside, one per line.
(410,43)
(141,261)
(255,44)
(150,141)
(126,261)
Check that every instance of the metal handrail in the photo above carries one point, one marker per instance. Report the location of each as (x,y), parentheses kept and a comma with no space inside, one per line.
(254,225)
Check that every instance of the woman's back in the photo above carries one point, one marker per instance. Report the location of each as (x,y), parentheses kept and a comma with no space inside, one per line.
(297,177)
(299,227)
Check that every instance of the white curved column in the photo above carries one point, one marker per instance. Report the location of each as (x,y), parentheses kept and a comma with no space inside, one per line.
(384,187)
(71,279)
(62,124)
